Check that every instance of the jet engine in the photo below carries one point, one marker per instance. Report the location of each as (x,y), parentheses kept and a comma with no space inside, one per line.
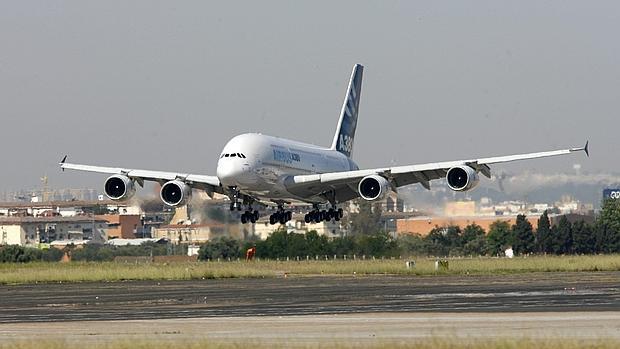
(462,178)
(373,187)
(119,187)
(175,193)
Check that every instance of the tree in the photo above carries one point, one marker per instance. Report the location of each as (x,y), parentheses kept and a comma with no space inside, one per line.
(444,241)
(474,240)
(583,238)
(316,244)
(561,237)
(543,233)
(499,237)
(608,227)
(380,244)
(413,244)
(524,240)
(223,247)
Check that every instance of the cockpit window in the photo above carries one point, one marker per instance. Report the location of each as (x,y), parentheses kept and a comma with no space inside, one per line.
(233,155)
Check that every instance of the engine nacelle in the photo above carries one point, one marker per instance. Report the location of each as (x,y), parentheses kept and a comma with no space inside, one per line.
(175,193)
(462,178)
(119,187)
(373,187)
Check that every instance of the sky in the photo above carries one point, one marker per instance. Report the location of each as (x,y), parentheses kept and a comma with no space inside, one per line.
(163,85)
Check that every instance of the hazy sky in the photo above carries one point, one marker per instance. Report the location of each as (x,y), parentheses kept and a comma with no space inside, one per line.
(163,85)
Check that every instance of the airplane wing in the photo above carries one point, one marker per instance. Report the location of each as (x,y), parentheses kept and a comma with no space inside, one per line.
(344,184)
(210,184)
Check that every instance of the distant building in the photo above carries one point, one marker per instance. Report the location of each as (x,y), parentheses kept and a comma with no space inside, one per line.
(124,226)
(424,225)
(460,208)
(262,229)
(197,233)
(31,231)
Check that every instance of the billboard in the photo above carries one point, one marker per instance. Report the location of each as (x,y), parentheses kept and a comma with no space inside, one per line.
(611,194)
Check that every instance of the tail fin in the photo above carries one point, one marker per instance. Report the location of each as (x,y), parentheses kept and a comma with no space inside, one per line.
(345,131)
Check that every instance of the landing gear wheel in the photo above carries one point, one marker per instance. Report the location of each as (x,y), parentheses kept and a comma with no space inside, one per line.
(256,215)
(307,218)
(272,220)
(317,216)
(288,215)
(244,219)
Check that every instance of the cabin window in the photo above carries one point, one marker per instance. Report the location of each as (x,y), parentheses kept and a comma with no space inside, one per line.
(233,155)
(226,155)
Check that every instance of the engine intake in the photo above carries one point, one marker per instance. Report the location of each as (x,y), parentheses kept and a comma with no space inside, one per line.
(119,187)
(462,178)
(175,193)
(373,187)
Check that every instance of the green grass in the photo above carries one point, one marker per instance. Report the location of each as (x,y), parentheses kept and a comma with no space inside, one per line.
(431,343)
(111,271)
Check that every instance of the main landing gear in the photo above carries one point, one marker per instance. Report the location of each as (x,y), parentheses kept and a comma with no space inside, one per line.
(249,216)
(280,216)
(317,216)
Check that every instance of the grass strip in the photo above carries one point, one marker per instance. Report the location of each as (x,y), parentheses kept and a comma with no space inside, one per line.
(14,273)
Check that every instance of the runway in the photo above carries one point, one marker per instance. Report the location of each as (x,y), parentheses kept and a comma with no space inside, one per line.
(302,296)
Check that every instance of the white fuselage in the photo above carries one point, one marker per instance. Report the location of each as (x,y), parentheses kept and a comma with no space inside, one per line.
(257,164)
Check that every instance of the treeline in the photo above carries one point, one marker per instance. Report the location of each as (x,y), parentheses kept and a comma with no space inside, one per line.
(96,253)
(19,254)
(281,244)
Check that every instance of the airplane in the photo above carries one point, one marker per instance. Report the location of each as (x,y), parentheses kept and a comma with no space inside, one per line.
(256,169)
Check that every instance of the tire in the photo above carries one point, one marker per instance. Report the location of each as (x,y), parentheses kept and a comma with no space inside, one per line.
(244,219)
(307,218)
(289,216)
(272,220)
(340,213)
(256,215)
(317,217)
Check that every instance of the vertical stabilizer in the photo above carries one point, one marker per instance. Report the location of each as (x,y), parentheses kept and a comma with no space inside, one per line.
(345,131)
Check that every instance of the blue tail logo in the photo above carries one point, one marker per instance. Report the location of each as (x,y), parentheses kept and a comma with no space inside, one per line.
(345,131)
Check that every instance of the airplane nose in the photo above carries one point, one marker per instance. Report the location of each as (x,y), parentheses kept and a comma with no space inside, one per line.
(229,173)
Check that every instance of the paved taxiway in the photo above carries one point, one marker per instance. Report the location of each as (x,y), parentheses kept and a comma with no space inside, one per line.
(297,296)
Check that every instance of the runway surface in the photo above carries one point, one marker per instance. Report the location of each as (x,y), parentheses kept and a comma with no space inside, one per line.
(299,296)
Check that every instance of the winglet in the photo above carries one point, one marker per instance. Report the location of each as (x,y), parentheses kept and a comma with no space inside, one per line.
(62,162)
(584,149)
